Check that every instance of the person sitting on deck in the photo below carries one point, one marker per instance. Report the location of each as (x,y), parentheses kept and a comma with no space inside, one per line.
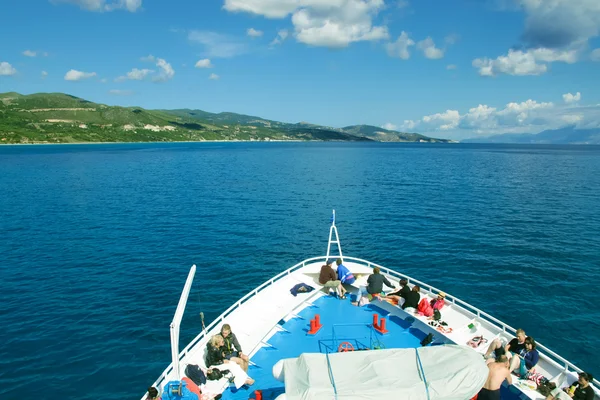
(398,294)
(328,278)
(579,390)
(232,348)
(152,394)
(411,299)
(215,356)
(498,372)
(526,359)
(438,303)
(343,273)
(375,283)
(513,347)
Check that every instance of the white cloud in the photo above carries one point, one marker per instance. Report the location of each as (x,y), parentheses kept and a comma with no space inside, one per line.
(254,33)
(328,23)
(572,119)
(7,69)
(280,38)
(135,75)
(452,38)
(213,77)
(402,3)
(44,74)
(389,126)
(451,66)
(408,124)
(106,5)
(165,73)
(518,62)
(571,98)
(217,45)
(595,55)
(103,80)
(338,27)
(528,116)
(205,63)
(560,23)
(444,121)
(148,58)
(29,53)
(427,46)
(74,75)
(118,92)
(266,8)
(399,48)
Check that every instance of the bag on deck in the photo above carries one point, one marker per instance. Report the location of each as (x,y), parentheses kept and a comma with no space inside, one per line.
(216,374)
(194,372)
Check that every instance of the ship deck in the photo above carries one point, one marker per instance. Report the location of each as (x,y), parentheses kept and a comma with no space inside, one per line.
(271,325)
(341,322)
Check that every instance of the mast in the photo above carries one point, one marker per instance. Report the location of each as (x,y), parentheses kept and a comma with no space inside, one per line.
(177,321)
(332,230)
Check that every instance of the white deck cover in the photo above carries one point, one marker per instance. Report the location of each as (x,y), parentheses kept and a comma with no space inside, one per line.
(452,373)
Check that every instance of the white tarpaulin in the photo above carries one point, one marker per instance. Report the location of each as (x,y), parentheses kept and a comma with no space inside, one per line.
(452,373)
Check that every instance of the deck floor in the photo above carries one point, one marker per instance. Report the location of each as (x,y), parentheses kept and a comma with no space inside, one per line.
(340,319)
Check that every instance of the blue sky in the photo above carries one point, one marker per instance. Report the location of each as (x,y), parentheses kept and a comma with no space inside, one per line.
(457,69)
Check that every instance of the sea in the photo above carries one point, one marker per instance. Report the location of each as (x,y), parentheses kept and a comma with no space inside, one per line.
(97,240)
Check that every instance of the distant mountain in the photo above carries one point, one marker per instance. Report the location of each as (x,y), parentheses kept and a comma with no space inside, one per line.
(62,118)
(567,135)
(386,135)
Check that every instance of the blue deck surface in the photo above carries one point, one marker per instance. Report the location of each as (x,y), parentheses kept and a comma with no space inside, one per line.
(340,319)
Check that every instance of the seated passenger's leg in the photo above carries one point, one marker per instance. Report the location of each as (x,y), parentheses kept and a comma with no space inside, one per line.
(492,347)
(515,362)
(240,362)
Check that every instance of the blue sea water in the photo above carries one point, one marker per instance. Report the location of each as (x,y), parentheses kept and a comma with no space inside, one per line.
(97,241)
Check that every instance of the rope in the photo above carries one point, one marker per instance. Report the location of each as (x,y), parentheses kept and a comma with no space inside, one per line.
(422,373)
(331,376)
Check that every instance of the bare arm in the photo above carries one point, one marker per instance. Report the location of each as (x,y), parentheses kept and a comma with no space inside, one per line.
(387,283)
(508,377)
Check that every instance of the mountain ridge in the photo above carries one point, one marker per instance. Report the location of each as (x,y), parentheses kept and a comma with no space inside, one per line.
(566,135)
(64,118)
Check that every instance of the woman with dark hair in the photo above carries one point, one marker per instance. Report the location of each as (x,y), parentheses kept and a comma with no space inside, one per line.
(526,359)
(152,394)
(411,299)
(397,295)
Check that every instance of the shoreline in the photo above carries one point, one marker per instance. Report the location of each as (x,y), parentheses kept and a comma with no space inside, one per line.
(215,141)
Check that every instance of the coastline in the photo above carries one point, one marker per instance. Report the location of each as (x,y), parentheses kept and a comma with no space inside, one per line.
(213,141)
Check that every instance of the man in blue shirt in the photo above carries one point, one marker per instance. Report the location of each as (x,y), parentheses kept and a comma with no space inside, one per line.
(343,273)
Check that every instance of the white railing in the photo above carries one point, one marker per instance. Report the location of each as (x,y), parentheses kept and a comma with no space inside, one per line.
(476,312)
(220,319)
(558,360)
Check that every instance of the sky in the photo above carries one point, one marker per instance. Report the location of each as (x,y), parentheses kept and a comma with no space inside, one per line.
(445,68)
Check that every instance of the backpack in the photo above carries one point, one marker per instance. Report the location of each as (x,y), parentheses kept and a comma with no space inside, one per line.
(194,372)
(425,308)
(437,315)
(427,340)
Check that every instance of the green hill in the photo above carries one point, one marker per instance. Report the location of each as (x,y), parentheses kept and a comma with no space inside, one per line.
(62,118)
(385,135)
